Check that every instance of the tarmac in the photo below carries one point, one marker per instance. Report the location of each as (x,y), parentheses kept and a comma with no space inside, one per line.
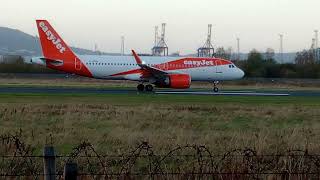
(89,90)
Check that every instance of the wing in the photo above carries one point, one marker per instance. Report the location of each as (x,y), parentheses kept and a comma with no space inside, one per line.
(152,70)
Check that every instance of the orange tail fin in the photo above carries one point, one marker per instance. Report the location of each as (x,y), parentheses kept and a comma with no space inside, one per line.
(56,50)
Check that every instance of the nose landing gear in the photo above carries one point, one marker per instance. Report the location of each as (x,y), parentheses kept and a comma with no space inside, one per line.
(215,88)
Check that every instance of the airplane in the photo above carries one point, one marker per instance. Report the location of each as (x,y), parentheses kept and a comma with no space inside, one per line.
(161,71)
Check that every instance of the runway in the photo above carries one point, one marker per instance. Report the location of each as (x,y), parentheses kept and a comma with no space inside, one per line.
(89,90)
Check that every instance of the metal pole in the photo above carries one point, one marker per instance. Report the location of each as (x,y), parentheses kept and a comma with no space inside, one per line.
(238,49)
(155,35)
(163,31)
(209,34)
(316,45)
(316,38)
(209,40)
(122,45)
(281,48)
(70,171)
(49,163)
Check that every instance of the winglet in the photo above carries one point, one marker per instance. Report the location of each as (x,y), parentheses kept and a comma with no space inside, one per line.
(136,57)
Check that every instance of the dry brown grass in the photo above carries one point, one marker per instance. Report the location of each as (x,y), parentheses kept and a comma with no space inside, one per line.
(117,128)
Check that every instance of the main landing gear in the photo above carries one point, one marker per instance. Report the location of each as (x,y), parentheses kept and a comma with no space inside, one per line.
(148,87)
(140,87)
(215,88)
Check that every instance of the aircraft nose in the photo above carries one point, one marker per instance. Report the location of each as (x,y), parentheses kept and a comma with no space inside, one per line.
(241,73)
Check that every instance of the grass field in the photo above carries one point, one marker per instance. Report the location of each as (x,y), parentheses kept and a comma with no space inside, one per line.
(117,123)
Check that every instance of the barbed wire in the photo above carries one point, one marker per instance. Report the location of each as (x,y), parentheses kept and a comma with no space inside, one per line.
(17,159)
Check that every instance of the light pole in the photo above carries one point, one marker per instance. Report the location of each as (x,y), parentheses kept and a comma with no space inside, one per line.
(281,48)
(316,45)
(238,49)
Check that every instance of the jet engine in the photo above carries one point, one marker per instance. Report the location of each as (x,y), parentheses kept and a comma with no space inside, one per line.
(176,81)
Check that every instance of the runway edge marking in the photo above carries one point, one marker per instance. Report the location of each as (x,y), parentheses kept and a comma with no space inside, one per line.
(223,93)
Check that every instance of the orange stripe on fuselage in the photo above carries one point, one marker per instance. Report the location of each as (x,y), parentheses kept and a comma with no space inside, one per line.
(185,63)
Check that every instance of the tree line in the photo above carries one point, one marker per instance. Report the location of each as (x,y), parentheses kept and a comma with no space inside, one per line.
(263,65)
(16,64)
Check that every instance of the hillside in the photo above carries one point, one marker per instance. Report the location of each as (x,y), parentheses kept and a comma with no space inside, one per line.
(16,42)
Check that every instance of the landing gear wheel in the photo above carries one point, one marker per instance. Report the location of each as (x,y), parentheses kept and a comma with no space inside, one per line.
(215,89)
(149,87)
(140,87)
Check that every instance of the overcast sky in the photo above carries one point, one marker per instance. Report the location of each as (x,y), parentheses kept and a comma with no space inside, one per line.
(82,23)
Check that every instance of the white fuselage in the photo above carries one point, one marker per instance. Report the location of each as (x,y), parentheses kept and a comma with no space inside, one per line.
(106,67)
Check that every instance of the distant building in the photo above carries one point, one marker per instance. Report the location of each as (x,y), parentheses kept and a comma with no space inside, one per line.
(285,57)
(175,54)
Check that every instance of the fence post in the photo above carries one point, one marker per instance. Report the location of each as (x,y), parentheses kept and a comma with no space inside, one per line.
(70,171)
(49,163)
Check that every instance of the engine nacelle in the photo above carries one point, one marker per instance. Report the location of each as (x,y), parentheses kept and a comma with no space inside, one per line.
(176,81)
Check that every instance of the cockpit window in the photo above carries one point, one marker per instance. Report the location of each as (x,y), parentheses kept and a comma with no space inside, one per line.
(231,66)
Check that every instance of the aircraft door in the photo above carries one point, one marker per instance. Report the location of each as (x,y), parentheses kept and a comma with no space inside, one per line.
(77,64)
